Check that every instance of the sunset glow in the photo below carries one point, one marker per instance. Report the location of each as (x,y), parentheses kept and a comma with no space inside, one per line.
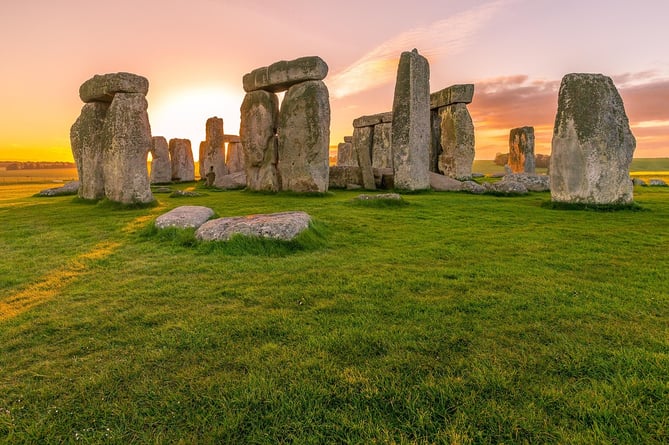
(195,54)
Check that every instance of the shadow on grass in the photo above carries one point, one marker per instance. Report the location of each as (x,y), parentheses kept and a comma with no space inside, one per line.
(553,205)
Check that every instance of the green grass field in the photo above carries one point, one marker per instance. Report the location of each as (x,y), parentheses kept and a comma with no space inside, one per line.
(454,319)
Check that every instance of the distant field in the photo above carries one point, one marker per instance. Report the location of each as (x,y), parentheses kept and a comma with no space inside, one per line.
(643,168)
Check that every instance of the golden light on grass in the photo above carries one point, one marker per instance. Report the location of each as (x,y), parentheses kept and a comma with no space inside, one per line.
(50,286)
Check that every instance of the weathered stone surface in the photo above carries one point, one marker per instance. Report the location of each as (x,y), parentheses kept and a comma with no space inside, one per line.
(348,139)
(411,123)
(521,150)
(102,88)
(443,183)
(231,181)
(343,176)
(213,150)
(592,145)
(128,133)
(259,121)
(455,94)
(282,75)
(304,138)
(657,183)
(373,119)
(346,155)
(533,183)
(184,217)
(435,140)
(380,197)
(88,144)
(382,154)
(457,142)
(181,155)
(161,166)
(282,226)
(505,187)
(472,187)
(71,188)
(234,158)
(362,145)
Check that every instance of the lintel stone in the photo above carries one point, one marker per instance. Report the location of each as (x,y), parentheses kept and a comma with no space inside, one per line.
(282,75)
(102,88)
(373,119)
(455,94)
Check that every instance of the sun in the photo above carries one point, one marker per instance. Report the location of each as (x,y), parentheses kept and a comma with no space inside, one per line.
(184,113)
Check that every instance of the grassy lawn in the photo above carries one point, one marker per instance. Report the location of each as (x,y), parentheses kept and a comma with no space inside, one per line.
(454,319)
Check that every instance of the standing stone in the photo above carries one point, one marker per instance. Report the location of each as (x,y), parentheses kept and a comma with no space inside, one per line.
(457,142)
(257,131)
(362,145)
(87,141)
(382,155)
(521,150)
(592,145)
(128,133)
(346,157)
(411,123)
(234,158)
(161,166)
(183,166)
(304,138)
(214,149)
(435,140)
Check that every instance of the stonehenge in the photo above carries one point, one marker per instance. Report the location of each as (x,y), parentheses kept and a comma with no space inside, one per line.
(181,156)
(452,146)
(286,148)
(111,139)
(592,144)
(411,123)
(521,150)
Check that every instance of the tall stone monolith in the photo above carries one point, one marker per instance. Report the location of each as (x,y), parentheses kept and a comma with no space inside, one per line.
(592,145)
(411,123)
(257,131)
(457,142)
(161,166)
(304,138)
(234,157)
(88,145)
(128,134)
(521,150)
(214,149)
(181,155)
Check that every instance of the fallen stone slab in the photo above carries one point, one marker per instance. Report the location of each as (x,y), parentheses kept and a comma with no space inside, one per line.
(102,88)
(657,183)
(71,188)
(442,183)
(184,217)
(534,183)
(505,187)
(281,226)
(282,75)
(380,197)
(473,187)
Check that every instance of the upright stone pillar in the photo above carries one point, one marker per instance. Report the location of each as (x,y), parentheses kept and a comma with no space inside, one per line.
(214,149)
(234,157)
(304,138)
(257,131)
(452,150)
(183,165)
(161,166)
(521,150)
(87,140)
(346,156)
(362,145)
(592,145)
(112,138)
(411,123)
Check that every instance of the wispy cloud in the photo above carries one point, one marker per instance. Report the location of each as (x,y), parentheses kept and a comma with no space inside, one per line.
(378,67)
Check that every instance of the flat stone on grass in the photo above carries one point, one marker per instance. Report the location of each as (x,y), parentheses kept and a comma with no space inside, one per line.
(281,226)
(380,197)
(184,217)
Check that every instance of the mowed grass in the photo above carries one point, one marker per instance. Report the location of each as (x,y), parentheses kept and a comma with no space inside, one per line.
(453,319)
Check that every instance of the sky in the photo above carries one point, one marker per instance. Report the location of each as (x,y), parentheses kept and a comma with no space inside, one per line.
(195,53)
